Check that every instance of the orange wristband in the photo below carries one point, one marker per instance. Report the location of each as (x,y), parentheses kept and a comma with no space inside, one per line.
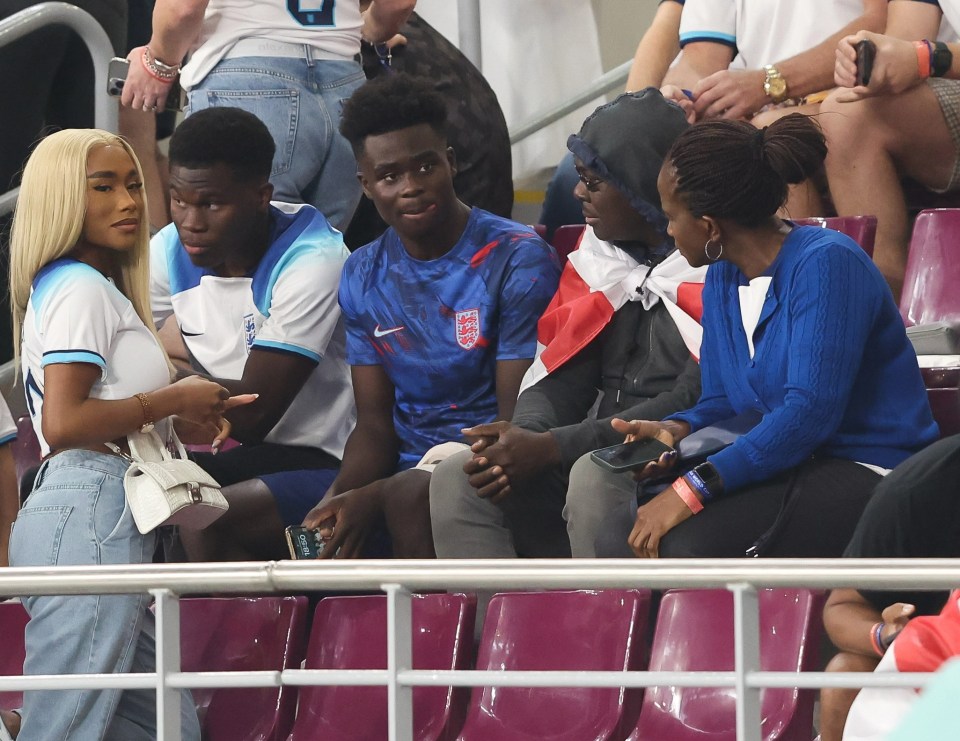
(923,58)
(687,495)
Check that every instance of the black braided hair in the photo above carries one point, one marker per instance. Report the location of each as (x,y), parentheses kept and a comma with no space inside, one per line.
(732,170)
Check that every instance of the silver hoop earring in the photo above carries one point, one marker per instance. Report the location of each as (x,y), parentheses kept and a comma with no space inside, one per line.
(706,251)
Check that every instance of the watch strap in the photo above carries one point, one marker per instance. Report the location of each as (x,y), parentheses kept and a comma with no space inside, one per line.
(941,59)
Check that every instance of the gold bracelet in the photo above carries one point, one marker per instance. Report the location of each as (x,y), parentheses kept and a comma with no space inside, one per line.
(148,420)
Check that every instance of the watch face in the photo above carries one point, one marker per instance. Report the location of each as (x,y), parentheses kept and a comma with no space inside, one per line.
(777,87)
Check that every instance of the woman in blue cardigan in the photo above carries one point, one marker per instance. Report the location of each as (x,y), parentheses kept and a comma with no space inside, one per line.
(799,326)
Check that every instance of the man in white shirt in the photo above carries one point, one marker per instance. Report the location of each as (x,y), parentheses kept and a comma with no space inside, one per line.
(289,64)
(905,123)
(250,291)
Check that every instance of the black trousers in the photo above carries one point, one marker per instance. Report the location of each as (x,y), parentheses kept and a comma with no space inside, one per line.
(807,512)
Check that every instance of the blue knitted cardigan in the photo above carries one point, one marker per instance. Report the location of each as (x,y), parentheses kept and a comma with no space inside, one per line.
(832,374)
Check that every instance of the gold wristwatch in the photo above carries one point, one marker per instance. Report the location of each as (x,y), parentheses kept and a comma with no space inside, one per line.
(774,86)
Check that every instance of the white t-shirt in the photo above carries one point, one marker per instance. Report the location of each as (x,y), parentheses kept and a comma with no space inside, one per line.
(951,18)
(765,31)
(288,304)
(76,315)
(329,26)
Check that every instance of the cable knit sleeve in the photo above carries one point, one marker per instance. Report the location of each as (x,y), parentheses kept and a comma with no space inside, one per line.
(830,302)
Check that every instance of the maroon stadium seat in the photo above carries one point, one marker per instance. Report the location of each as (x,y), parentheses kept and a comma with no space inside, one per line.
(243,634)
(861,229)
(565,240)
(542,631)
(695,633)
(13,620)
(351,633)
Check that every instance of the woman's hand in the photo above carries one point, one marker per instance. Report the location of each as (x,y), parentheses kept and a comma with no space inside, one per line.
(204,401)
(211,433)
(655,519)
(669,433)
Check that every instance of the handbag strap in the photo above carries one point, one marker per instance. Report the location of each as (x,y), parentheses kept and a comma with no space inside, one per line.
(148,447)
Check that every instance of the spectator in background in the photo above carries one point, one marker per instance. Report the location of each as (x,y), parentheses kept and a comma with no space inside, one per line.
(250,291)
(475,124)
(505,497)
(290,68)
(799,328)
(914,513)
(873,130)
(658,47)
(440,314)
(757,61)
(144,128)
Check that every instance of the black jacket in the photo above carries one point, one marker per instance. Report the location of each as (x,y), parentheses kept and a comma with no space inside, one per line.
(641,365)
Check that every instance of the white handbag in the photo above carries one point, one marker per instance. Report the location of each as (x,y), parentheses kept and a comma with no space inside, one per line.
(163,489)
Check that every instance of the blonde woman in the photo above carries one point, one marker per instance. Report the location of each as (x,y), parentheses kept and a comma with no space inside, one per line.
(93,373)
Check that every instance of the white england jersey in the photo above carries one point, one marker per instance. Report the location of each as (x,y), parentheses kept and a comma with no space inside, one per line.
(76,315)
(287,304)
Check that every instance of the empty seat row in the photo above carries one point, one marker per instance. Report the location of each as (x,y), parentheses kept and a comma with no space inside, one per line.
(540,631)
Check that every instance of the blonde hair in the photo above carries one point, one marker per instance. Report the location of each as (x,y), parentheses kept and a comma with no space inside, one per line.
(48,221)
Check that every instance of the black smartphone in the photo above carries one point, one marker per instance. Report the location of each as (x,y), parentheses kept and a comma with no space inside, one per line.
(304,542)
(866,52)
(630,456)
(117,75)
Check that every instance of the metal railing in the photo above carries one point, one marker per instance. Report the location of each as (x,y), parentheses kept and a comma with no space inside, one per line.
(400,578)
(36,17)
(613,80)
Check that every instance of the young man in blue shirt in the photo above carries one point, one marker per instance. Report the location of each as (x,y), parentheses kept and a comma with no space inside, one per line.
(440,312)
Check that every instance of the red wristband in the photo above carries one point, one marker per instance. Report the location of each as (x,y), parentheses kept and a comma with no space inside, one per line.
(923,58)
(683,490)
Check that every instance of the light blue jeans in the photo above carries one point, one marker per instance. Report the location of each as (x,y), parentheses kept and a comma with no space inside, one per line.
(77,516)
(299,100)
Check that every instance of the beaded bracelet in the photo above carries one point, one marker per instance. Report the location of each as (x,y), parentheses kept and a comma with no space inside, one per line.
(165,73)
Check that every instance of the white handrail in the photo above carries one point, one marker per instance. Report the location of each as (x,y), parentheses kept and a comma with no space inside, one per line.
(18,25)
(503,575)
(399,578)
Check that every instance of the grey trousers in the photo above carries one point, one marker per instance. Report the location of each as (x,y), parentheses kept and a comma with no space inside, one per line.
(527,523)
(600,511)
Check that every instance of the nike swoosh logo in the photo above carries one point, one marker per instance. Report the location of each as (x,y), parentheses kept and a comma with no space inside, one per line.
(185,333)
(377,332)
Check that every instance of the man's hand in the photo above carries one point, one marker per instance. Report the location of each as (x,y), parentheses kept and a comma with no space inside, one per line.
(730,93)
(895,617)
(505,453)
(895,67)
(666,432)
(678,96)
(345,520)
(142,91)
(654,520)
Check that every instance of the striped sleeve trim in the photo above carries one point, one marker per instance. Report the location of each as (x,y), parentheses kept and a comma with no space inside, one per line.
(712,36)
(283,347)
(72,356)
